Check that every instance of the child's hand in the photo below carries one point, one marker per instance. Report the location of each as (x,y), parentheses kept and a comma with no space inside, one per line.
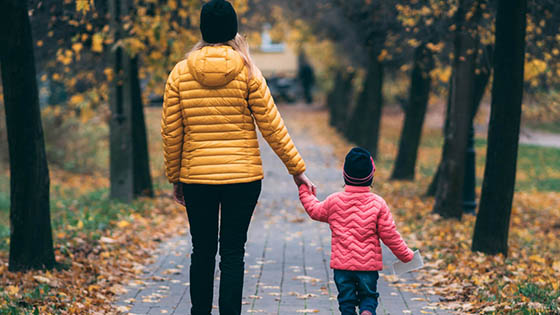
(305,189)
(301,179)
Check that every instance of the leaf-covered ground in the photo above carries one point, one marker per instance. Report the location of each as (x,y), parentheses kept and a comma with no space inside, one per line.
(527,280)
(101,244)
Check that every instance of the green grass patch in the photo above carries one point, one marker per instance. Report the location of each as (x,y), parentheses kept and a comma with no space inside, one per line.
(546,296)
(91,213)
(72,213)
(25,303)
(537,167)
(552,127)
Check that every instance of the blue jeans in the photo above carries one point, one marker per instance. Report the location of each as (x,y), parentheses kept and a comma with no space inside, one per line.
(356,288)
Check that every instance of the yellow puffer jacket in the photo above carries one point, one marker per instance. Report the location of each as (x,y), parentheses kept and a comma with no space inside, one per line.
(208,121)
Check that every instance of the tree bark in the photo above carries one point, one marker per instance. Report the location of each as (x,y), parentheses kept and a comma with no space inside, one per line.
(345,101)
(141,158)
(129,161)
(449,192)
(31,244)
(367,114)
(339,98)
(431,192)
(356,128)
(420,82)
(481,81)
(332,97)
(492,223)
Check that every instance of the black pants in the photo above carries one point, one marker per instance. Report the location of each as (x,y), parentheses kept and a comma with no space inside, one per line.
(237,203)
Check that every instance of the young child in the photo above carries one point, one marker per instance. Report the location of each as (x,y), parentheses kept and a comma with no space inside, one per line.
(358,218)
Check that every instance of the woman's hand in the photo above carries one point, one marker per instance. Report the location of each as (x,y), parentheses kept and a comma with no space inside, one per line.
(178,194)
(301,179)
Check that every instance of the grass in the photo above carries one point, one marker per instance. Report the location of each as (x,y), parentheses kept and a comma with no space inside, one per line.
(74,213)
(80,201)
(537,167)
(552,127)
(537,294)
(25,305)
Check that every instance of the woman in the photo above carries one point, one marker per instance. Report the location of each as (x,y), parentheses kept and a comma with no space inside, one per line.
(212,101)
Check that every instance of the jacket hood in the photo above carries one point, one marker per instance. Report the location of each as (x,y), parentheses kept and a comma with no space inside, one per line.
(215,66)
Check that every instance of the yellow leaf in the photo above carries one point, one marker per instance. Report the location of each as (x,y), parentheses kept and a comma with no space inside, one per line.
(537,258)
(108,73)
(42,279)
(383,55)
(556,266)
(83,6)
(12,290)
(123,224)
(425,11)
(97,43)
(80,224)
(77,47)
(413,42)
(534,68)
(76,99)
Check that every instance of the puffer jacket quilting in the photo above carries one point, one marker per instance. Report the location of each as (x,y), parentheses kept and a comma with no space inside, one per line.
(358,219)
(208,121)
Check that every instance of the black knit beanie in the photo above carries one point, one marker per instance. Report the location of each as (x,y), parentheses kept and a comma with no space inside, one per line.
(218,22)
(358,168)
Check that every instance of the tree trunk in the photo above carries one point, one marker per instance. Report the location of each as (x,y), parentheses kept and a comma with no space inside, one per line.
(332,97)
(31,243)
(420,82)
(481,81)
(370,117)
(345,101)
(356,127)
(339,98)
(469,186)
(129,160)
(492,223)
(449,192)
(431,192)
(141,158)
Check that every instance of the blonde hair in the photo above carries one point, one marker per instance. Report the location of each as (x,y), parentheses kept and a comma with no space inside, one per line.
(239,44)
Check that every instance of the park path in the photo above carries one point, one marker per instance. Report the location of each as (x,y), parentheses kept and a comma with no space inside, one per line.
(543,139)
(287,257)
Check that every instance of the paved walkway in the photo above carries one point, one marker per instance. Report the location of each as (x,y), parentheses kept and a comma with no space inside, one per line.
(544,139)
(287,259)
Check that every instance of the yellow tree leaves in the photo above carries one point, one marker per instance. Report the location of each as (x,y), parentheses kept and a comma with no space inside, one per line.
(441,74)
(84,6)
(97,43)
(533,69)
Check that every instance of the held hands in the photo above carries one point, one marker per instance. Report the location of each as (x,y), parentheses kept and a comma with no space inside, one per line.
(301,179)
(178,194)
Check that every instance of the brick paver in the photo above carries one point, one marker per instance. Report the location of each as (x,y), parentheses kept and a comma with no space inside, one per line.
(287,258)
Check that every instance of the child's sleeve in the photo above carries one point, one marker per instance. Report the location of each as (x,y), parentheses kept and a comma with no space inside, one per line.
(388,233)
(317,210)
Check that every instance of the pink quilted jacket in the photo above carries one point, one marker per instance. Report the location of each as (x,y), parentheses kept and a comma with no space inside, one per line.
(358,218)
